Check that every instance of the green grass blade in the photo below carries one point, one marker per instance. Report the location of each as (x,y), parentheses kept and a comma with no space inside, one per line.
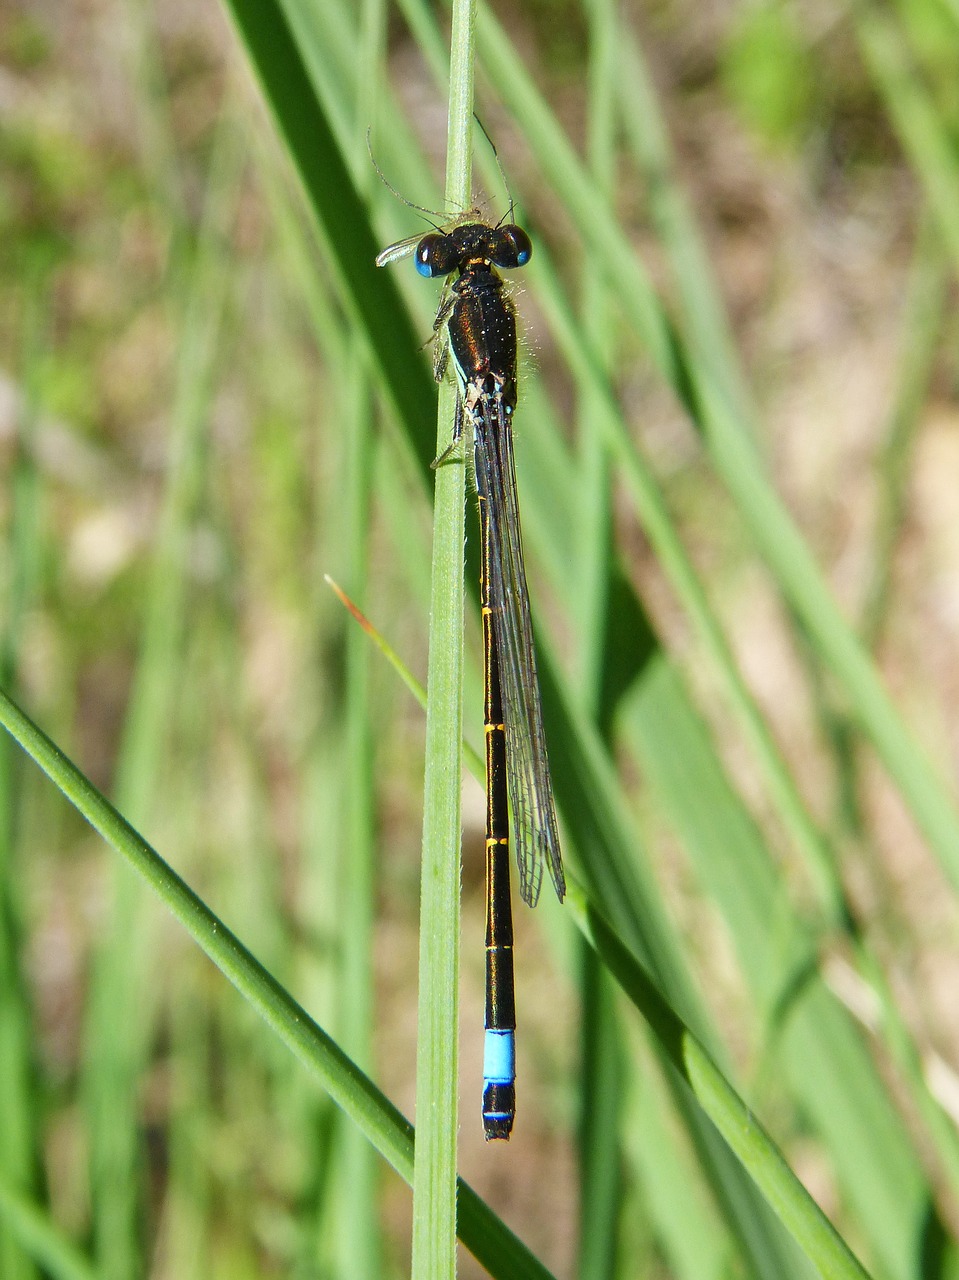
(668,343)
(359,1247)
(733,455)
(920,126)
(759,1155)
(704,321)
(480,1230)
(922,327)
(41,1239)
(230,1156)
(687,1223)
(119,1019)
(20,1140)
(822,1054)
(437,1057)
(651,507)
(620,882)
(371,295)
(602,1073)
(602,1083)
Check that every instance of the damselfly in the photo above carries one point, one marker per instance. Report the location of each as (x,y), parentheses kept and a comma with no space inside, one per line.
(476,326)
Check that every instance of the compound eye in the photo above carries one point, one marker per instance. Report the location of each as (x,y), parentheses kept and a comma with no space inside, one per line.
(434,256)
(514,247)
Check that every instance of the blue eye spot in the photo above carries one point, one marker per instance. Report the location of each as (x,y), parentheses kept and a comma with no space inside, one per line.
(424,268)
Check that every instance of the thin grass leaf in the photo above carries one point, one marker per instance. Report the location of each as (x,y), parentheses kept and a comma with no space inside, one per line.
(620,883)
(480,1230)
(684,1234)
(759,1155)
(603,1071)
(370,295)
(41,1239)
(359,1245)
(651,507)
(860,1121)
(20,1138)
(765,1250)
(922,131)
(670,1188)
(119,1019)
(810,1036)
(704,320)
(437,1058)
(922,328)
(733,455)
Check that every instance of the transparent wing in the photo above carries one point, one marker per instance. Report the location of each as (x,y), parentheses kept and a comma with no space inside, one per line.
(535,834)
(394,252)
(445,222)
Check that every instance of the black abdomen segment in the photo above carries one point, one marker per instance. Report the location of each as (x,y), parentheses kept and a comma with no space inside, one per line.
(499,1051)
(482,336)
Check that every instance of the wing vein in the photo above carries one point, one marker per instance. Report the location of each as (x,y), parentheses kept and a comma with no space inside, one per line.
(535,830)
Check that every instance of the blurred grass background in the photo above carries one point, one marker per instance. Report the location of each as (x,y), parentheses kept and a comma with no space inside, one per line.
(194,429)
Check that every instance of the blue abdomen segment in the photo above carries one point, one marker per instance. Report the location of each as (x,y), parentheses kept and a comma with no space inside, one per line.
(499,1057)
(499,1083)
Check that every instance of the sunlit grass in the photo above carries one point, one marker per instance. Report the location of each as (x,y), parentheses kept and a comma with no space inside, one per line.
(212,399)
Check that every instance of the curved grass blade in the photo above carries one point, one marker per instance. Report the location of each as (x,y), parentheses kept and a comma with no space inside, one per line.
(733,452)
(487,1238)
(758,1154)
(41,1239)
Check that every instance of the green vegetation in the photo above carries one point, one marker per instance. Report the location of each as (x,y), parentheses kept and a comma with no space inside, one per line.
(735,443)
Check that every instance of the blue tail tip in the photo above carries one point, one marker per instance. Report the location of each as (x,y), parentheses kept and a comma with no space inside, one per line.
(499,1083)
(499,1109)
